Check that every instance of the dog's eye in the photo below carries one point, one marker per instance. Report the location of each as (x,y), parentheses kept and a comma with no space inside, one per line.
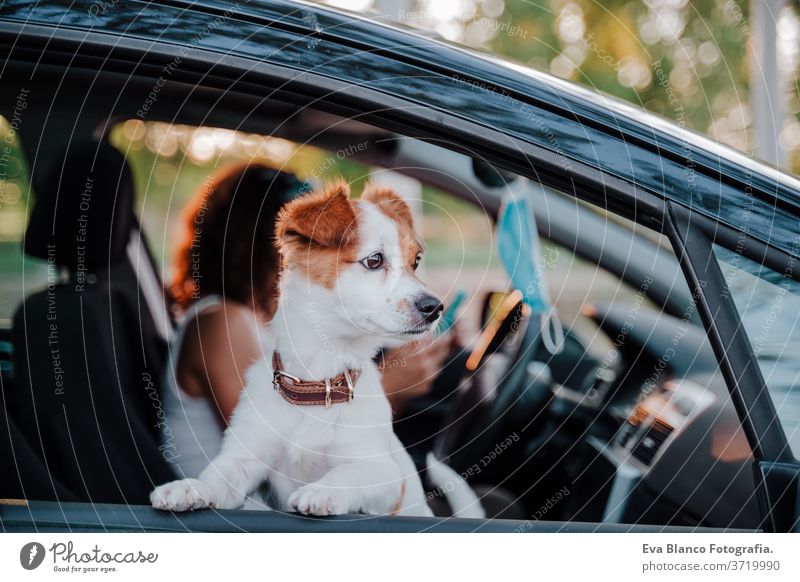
(417,259)
(374,261)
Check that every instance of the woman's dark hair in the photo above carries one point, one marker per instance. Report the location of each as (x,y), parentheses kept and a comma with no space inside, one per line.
(228,245)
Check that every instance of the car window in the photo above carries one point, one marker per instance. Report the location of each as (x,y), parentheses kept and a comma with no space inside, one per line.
(632,366)
(577,285)
(460,256)
(18,274)
(170,163)
(769,305)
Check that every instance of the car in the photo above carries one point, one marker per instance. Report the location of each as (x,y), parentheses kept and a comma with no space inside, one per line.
(685,420)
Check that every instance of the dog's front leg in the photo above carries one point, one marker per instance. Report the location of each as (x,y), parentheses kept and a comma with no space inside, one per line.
(374,487)
(224,484)
(241,466)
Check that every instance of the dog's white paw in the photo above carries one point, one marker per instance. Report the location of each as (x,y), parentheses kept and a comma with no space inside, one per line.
(316,500)
(183,495)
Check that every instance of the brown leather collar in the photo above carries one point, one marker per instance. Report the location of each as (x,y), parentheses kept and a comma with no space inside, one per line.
(329,391)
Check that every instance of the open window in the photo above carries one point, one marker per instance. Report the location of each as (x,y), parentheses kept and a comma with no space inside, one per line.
(592,433)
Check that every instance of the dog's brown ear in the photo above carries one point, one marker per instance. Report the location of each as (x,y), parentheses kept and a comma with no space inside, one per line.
(325,217)
(388,202)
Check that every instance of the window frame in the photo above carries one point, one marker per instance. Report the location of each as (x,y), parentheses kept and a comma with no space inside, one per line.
(693,237)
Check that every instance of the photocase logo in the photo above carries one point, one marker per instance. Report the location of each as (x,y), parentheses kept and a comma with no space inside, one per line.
(31,555)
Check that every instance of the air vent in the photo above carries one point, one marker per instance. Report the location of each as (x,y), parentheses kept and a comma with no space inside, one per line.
(655,436)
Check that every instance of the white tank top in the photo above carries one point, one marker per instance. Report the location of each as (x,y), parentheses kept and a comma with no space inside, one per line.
(191,433)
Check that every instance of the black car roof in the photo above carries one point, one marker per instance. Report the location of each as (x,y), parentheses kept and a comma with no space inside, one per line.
(580,126)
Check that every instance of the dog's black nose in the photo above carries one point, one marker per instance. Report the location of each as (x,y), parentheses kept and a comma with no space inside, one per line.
(429,307)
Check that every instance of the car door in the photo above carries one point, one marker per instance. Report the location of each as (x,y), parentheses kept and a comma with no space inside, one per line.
(455,106)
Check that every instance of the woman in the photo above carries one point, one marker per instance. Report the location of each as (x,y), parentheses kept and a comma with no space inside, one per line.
(225,282)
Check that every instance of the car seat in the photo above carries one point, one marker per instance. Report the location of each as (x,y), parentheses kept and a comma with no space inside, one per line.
(90,349)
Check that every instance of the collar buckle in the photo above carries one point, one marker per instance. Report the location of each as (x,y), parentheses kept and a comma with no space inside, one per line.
(350,389)
(327,392)
(276,378)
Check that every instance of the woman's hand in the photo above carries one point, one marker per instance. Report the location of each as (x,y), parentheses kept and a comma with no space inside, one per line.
(409,371)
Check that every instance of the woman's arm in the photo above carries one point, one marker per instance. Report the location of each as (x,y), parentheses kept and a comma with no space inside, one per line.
(218,348)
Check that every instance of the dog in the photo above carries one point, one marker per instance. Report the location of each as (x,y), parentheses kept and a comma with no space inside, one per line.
(313,421)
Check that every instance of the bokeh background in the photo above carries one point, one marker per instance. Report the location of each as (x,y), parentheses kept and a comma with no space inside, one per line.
(692,62)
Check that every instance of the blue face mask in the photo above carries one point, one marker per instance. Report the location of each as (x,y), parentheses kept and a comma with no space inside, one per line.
(521,254)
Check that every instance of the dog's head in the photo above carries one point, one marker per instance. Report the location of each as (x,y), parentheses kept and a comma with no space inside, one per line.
(359,259)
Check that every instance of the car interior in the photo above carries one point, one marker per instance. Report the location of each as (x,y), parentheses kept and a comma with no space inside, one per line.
(593,433)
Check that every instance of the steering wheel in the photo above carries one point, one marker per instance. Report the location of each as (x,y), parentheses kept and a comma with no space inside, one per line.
(474,419)
(477,422)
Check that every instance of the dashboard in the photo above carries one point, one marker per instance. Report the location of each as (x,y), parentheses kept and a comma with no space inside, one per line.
(657,439)
(646,434)
(668,444)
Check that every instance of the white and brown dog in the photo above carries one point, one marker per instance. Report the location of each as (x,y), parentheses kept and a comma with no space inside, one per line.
(313,420)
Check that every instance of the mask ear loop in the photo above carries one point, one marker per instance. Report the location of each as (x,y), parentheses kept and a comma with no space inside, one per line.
(552,331)
(550,327)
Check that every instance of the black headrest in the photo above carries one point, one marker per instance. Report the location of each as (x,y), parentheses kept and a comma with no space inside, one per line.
(83,214)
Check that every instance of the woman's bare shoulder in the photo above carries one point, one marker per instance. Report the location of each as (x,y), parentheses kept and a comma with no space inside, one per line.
(224,328)
(219,344)
(227,317)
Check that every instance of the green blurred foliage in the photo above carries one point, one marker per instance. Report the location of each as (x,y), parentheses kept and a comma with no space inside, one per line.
(15,200)
(709,80)
(14,185)
(686,60)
